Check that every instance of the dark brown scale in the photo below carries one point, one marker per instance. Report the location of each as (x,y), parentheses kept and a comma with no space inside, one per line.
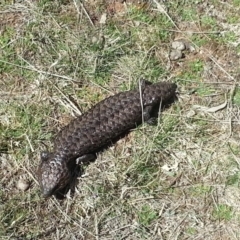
(98,127)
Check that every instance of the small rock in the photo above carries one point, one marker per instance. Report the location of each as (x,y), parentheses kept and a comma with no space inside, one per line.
(183,44)
(23,184)
(103,18)
(94,39)
(137,23)
(189,47)
(190,113)
(175,55)
(178,45)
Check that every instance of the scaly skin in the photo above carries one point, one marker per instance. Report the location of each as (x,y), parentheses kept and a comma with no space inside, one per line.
(96,128)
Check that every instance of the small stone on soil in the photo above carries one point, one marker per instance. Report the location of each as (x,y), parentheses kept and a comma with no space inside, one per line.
(175,55)
(23,185)
(178,45)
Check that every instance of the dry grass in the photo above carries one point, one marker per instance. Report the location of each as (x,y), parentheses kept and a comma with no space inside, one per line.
(179,180)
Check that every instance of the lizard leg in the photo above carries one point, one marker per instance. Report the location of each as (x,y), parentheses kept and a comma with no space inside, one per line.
(147,115)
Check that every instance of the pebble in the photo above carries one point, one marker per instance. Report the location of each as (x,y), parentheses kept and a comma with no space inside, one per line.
(103,18)
(94,39)
(190,113)
(175,55)
(23,184)
(178,45)
(178,48)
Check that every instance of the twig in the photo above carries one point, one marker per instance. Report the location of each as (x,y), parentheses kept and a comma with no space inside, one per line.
(84,10)
(194,32)
(221,68)
(37,70)
(28,140)
(162,10)
(141,99)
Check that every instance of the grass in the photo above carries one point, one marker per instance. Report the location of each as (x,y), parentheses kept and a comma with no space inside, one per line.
(176,180)
(146,215)
(223,212)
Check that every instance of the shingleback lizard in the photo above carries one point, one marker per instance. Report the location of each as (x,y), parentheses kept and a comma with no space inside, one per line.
(97,127)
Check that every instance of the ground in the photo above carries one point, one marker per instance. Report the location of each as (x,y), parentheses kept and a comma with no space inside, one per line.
(177,180)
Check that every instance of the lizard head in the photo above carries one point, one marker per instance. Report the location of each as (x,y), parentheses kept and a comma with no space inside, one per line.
(53,174)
